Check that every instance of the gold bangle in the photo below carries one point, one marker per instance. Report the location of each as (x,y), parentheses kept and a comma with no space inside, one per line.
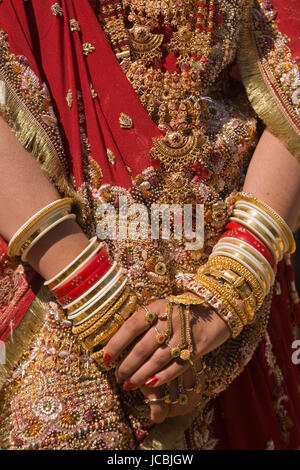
(103,336)
(221,293)
(226,262)
(14,241)
(82,331)
(86,312)
(245,261)
(101,313)
(240,286)
(185,299)
(284,226)
(41,229)
(253,252)
(106,320)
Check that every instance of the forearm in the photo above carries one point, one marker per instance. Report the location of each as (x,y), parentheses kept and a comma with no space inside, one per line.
(274,177)
(24,190)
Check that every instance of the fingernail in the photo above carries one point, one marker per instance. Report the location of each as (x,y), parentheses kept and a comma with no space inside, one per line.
(106,358)
(151,381)
(128,385)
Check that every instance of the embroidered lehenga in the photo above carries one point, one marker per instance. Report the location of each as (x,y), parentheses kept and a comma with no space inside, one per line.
(147,100)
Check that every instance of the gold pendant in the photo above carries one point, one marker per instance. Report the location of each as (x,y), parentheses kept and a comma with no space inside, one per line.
(176,146)
(144,43)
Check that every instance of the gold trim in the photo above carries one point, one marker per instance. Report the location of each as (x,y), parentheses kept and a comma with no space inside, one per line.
(24,334)
(262,98)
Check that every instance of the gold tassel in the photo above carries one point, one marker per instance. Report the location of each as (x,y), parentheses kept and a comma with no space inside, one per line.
(259,94)
(24,334)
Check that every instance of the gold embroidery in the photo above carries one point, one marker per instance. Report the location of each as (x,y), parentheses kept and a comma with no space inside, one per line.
(111,156)
(57,10)
(69,98)
(125,121)
(266,65)
(93,92)
(87,48)
(74,25)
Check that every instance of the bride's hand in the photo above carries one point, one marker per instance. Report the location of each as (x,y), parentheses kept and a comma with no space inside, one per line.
(151,364)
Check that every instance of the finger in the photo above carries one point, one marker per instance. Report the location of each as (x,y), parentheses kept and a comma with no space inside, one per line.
(147,373)
(159,410)
(129,331)
(176,409)
(141,353)
(182,410)
(137,356)
(169,372)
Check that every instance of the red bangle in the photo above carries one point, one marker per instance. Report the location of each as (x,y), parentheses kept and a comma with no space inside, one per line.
(85,285)
(232,225)
(82,275)
(243,234)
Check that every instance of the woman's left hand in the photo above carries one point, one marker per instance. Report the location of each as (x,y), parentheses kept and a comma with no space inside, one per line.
(151,364)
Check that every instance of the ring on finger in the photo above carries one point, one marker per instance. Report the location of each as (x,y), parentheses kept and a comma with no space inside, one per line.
(150,317)
(155,400)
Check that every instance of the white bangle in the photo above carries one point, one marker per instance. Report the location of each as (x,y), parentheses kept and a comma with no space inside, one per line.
(44,232)
(94,288)
(31,219)
(252,250)
(265,230)
(115,294)
(43,220)
(94,299)
(46,283)
(276,217)
(258,234)
(252,261)
(276,227)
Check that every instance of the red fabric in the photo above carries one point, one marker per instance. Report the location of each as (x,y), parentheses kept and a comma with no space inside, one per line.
(288,22)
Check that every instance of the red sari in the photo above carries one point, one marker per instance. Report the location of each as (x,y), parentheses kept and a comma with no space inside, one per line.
(64,106)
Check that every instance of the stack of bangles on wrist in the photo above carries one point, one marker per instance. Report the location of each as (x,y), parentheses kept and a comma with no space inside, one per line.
(241,269)
(92,289)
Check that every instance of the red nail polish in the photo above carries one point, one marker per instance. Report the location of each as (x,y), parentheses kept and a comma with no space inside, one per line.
(151,381)
(128,385)
(106,358)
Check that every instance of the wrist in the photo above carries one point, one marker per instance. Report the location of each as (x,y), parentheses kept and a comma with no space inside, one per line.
(57,249)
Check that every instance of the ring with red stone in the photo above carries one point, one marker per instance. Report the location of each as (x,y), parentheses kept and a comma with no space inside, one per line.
(160,337)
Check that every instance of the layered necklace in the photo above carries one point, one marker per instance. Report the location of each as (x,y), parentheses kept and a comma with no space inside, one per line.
(146,33)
